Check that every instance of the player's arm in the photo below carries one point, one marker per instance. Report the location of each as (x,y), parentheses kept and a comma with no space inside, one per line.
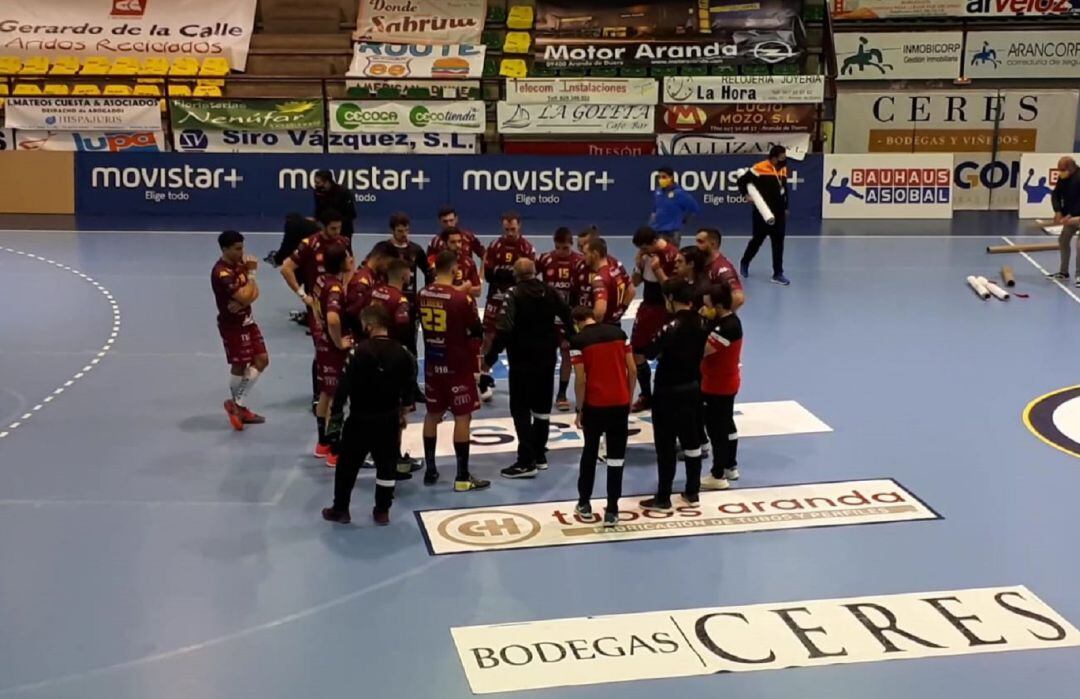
(504,330)
(657,268)
(475,285)
(639,262)
(424,265)
(336,420)
(578,362)
(631,369)
(600,299)
(406,396)
(738,298)
(562,312)
(476,247)
(288,272)
(333,328)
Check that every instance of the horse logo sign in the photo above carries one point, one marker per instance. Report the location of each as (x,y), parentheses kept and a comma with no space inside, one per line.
(986,55)
(865,58)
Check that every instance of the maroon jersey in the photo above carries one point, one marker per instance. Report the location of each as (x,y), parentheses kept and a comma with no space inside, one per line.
(667,255)
(721,270)
(601,350)
(608,285)
(358,292)
(501,256)
(450,322)
(397,305)
(329,298)
(226,280)
(473,246)
(308,257)
(585,286)
(465,271)
(562,274)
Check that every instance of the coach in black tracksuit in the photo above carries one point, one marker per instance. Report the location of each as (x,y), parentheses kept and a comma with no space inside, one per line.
(526,328)
(770,179)
(676,405)
(331,196)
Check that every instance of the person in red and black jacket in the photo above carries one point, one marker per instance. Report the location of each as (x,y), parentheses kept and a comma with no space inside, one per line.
(604,377)
(720,380)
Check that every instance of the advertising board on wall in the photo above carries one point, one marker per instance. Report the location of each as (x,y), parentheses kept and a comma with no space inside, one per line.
(421,21)
(82,114)
(318,141)
(575,118)
(898,55)
(407,117)
(854,10)
(7,139)
(562,147)
(735,118)
(117,28)
(582,90)
(797,144)
(644,21)
(987,130)
(246,114)
(102,142)
(736,89)
(1043,54)
(730,48)
(903,186)
(393,61)
(1039,175)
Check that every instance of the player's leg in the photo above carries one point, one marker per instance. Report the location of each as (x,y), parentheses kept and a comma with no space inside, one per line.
(518,383)
(731,466)
(236,377)
(688,429)
(541,388)
(565,371)
(385,446)
(354,448)
(664,434)
(592,428)
(464,481)
(617,430)
(760,233)
(486,382)
(776,240)
(251,376)
(649,321)
(431,431)
(324,449)
(719,434)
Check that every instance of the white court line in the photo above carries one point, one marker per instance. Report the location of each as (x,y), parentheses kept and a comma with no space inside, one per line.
(1042,269)
(114,332)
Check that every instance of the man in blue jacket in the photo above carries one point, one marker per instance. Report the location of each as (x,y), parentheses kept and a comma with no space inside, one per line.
(672,207)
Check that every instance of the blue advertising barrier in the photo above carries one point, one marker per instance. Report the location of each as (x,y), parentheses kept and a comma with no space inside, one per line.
(572,190)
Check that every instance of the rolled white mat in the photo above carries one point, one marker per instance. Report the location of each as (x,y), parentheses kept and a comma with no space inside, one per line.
(759,203)
(995,290)
(978,287)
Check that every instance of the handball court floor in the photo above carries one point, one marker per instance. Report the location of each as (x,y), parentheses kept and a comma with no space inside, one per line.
(147,551)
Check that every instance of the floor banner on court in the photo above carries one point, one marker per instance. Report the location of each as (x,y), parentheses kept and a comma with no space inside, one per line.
(543,524)
(496,435)
(714,641)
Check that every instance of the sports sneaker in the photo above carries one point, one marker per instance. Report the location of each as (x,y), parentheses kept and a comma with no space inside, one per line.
(781,280)
(1058,276)
(731,474)
(562,404)
(1078,281)
(235,419)
(519,471)
(431,476)
(251,418)
(332,515)
(473,483)
(656,505)
(711,482)
(486,385)
(322,451)
(381,517)
(744,269)
(583,509)
(402,476)
(611,519)
(331,460)
(691,499)
(407,464)
(542,465)
(640,405)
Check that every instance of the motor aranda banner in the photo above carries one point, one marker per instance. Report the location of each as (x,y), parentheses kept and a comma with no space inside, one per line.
(735,118)
(568,190)
(421,21)
(747,47)
(735,89)
(393,61)
(104,142)
(317,141)
(899,55)
(854,10)
(575,118)
(644,21)
(590,90)
(1042,54)
(1038,176)
(407,117)
(987,130)
(246,114)
(900,186)
(797,144)
(116,28)
(83,114)
(519,654)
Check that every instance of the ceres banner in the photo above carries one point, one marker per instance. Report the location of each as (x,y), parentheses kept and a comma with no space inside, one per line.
(247,114)
(114,28)
(735,89)
(393,61)
(1043,54)
(408,117)
(899,55)
(421,21)
(83,114)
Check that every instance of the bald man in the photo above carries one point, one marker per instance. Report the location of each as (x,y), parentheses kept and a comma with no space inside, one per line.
(526,329)
(1066,202)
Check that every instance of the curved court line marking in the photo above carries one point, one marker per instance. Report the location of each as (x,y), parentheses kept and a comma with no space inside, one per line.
(1031,428)
(113,334)
(1042,269)
(251,631)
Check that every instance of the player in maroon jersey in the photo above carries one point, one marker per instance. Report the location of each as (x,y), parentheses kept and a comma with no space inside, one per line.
(334,342)
(691,266)
(720,268)
(617,271)
(368,275)
(499,261)
(466,274)
(654,265)
(235,290)
(560,269)
(450,323)
(448,221)
(606,285)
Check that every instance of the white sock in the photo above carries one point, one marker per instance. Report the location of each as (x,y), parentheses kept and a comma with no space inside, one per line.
(234,385)
(247,382)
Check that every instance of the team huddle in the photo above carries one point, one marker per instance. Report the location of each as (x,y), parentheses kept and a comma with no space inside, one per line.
(366,316)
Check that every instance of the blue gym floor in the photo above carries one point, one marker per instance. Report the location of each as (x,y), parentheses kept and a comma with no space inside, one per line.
(149,552)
